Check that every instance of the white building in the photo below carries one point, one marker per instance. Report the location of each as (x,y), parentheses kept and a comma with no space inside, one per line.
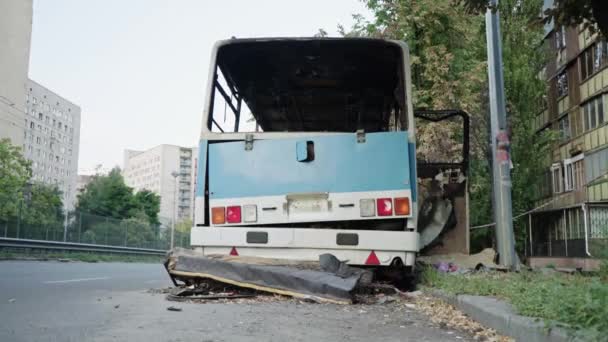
(15,36)
(82,181)
(153,170)
(51,140)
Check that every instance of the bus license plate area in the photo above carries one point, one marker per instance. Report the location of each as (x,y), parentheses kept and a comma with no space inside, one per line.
(307,203)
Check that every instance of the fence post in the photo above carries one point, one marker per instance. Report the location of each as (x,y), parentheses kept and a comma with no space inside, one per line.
(47,233)
(106,232)
(19,218)
(79,226)
(126,232)
(6,228)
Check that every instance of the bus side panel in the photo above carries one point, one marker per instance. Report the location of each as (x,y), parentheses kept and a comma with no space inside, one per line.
(201,178)
(340,164)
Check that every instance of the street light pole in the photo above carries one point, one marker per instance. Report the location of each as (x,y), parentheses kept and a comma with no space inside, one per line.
(175,175)
(501,159)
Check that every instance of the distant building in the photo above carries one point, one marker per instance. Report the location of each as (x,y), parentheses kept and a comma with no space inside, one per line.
(15,37)
(51,140)
(573,200)
(152,170)
(82,181)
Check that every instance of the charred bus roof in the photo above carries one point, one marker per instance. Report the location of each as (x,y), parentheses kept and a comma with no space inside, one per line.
(317,84)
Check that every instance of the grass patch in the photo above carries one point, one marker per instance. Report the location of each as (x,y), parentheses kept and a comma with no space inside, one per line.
(576,302)
(79,256)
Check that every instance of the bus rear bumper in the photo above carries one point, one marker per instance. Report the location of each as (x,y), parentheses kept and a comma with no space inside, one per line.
(352,246)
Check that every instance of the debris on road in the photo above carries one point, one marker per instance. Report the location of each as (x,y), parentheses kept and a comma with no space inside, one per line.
(174,308)
(12,300)
(445,315)
(209,289)
(116,306)
(462,263)
(329,281)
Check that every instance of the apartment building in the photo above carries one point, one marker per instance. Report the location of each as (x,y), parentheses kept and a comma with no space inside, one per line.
(168,171)
(573,217)
(15,37)
(51,140)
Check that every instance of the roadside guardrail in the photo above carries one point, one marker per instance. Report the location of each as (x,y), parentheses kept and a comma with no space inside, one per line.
(72,246)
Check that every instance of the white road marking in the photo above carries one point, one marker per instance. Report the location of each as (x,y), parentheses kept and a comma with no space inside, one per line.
(73,280)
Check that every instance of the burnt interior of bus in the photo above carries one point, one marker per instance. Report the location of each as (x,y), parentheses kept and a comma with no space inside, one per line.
(309,85)
(337,85)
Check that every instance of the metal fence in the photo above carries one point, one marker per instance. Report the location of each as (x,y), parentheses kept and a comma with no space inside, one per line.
(80,227)
(569,232)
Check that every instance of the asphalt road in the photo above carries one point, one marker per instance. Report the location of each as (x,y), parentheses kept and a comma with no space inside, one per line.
(53,301)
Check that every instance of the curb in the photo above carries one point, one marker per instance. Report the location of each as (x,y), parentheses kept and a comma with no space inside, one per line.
(500,316)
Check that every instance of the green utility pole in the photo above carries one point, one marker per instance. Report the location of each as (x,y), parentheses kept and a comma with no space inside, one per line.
(501,159)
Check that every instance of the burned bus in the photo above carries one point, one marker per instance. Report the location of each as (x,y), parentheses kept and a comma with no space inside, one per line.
(308,147)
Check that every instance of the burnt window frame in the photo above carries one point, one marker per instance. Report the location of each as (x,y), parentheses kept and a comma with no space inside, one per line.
(406,115)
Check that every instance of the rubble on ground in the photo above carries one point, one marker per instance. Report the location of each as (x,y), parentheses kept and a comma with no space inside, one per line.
(329,280)
(445,315)
(462,263)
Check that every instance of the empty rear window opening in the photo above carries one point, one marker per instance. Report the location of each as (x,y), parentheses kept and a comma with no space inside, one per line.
(308,85)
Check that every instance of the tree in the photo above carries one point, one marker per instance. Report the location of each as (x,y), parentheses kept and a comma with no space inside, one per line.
(592,13)
(110,212)
(15,172)
(448,56)
(149,202)
(44,206)
(109,196)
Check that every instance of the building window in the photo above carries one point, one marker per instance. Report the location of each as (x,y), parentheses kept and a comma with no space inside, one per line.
(593,59)
(573,172)
(593,113)
(596,165)
(32,125)
(562,84)
(560,38)
(557,178)
(564,127)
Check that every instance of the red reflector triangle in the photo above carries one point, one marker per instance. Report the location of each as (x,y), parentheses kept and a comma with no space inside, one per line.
(372,259)
(233,251)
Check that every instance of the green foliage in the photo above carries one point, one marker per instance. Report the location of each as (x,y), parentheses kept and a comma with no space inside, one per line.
(36,206)
(578,302)
(44,206)
(448,55)
(15,172)
(563,12)
(149,203)
(132,232)
(109,196)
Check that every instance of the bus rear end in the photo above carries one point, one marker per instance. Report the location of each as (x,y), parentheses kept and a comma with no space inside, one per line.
(308,147)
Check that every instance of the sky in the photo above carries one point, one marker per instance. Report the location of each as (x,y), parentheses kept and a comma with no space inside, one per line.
(137,68)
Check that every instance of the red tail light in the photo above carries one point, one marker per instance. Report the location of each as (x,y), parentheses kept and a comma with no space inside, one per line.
(233,214)
(384,206)
(234,252)
(372,259)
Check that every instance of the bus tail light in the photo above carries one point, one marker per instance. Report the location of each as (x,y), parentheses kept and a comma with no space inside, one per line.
(233,214)
(367,207)
(402,206)
(218,215)
(250,213)
(385,206)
